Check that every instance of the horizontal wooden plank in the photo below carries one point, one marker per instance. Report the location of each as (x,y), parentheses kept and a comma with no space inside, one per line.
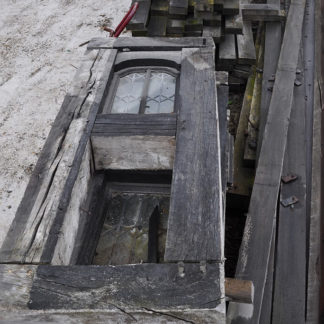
(132,124)
(132,131)
(151,43)
(262,12)
(140,152)
(117,315)
(134,119)
(143,285)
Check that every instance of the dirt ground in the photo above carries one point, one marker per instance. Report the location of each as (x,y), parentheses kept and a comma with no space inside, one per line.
(39,54)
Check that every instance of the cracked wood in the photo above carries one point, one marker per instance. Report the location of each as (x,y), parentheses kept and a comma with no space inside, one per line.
(60,158)
(195,226)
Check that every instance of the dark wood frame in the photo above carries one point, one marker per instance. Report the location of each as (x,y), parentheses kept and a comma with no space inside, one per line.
(205,270)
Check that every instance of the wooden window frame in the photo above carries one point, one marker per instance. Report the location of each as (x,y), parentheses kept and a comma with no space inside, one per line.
(107,107)
(190,288)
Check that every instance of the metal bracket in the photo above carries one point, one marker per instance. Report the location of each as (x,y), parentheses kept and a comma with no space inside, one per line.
(288,178)
(289,201)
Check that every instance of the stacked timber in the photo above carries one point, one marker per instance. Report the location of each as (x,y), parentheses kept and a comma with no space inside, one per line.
(180,18)
(274,247)
(219,19)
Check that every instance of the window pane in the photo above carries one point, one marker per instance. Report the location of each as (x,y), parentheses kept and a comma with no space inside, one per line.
(128,95)
(161,91)
(125,233)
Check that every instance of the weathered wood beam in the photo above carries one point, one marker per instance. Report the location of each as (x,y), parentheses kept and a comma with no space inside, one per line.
(21,283)
(222,104)
(195,226)
(38,221)
(127,151)
(161,286)
(314,24)
(290,299)
(254,117)
(262,12)
(151,43)
(273,38)
(255,248)
(227,53)
(243,177)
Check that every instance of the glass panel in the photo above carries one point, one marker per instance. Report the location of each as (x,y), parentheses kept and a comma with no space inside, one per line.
(161,93)
(128,95)
(125,233)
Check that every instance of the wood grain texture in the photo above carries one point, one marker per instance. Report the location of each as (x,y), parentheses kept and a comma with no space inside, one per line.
(41,222)
(141,152)
(132,286)
(222,105)
(266,308)
(68,236)
(195,227)
(289,298)
(115,316)
(132,124)
(314,23)
(227,51)
(15,284)
(150,43)
(273,37)
(254,117)
(255,248)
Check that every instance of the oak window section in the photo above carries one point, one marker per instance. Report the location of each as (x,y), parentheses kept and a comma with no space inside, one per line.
(142,91)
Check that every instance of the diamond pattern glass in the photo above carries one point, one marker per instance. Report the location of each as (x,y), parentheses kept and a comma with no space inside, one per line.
(128,96)
(161,93)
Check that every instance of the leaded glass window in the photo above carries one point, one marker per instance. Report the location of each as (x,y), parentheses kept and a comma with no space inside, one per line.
(143,91)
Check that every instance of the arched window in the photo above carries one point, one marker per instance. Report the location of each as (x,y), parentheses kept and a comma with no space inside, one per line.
(145,90)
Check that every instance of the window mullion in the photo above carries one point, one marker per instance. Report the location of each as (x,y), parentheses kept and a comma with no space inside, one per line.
(145,91)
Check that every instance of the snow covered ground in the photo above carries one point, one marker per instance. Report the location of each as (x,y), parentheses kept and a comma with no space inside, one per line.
(39,53)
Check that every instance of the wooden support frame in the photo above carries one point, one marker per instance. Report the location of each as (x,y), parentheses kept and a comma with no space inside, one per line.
(195,227)
(255,249)
(69,171)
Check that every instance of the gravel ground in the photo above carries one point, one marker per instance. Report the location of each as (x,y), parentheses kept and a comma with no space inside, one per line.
(39,53)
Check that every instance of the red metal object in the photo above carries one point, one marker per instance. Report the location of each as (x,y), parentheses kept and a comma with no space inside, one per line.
(127,18)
